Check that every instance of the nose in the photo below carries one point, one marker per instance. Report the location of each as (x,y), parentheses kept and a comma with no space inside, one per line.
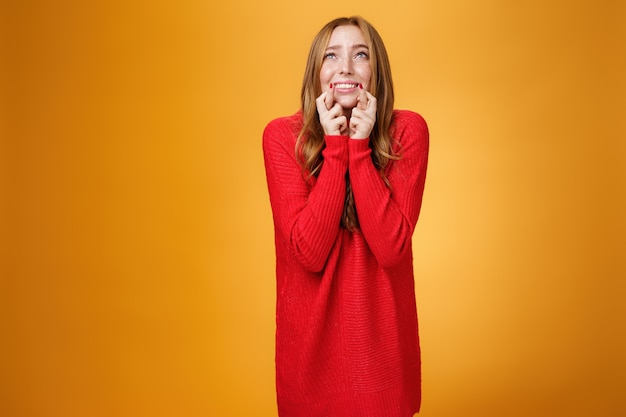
(346,66)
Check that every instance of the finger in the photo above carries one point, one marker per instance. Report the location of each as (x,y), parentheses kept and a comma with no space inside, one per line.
(343,125)
(339,124)
(336,110)
(371,101)
(361,123)
(353,123)
(355,129)
(329,99)
(362,100)
(320,103)
(336,126)
(361,115)
(356,118)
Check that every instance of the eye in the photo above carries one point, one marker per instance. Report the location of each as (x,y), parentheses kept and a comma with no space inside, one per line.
(330,55)
(361,55)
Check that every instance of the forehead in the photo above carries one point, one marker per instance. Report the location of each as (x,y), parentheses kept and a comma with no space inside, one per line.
(348,35)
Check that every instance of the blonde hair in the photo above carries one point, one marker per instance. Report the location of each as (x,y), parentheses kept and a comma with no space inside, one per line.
(310,142)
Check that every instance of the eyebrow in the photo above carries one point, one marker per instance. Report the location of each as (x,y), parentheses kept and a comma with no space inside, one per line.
(357,46)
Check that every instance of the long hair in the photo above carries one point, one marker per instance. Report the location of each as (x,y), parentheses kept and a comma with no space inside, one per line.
(310,142)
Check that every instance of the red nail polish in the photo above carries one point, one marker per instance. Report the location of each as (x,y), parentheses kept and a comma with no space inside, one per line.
(331,85)
(361,86)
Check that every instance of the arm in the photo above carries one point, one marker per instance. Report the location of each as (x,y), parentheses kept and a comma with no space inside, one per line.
(388,216)
(308,217)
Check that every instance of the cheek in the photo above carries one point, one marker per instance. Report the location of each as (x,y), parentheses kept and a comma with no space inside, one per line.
(325,77)
(366,75)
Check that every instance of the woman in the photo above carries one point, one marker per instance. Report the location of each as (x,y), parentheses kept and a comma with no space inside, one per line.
(345,176)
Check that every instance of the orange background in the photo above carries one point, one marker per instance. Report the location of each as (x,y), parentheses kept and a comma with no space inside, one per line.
(136,237)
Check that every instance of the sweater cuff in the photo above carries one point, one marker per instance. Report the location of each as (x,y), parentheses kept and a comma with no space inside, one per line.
(336,146)
(359,148)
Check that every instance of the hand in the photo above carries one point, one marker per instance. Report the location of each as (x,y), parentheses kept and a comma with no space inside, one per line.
(363,116)
(331,114)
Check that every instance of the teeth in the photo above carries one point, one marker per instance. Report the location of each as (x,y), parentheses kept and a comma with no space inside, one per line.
(346,85)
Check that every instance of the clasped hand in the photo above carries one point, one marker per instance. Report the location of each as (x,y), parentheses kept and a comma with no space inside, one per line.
(334,121)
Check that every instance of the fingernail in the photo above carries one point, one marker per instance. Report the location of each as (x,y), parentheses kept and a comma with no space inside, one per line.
(331,85)
(361,86)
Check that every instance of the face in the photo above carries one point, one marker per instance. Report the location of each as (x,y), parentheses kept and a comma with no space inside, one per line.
(346,64)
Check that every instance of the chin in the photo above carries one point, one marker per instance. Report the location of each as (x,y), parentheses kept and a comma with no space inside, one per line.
(347,103)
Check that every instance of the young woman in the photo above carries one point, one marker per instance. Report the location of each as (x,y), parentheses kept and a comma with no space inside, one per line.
(346,176)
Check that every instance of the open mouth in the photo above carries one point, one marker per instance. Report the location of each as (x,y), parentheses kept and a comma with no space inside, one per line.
(346,85)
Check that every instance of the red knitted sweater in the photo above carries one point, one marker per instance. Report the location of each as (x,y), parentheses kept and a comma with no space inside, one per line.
(346,322)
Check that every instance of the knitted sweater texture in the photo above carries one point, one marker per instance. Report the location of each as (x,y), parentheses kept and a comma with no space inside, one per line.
(346,322)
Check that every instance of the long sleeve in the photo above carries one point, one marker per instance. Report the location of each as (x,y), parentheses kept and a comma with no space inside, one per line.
(307,215)
(387,215)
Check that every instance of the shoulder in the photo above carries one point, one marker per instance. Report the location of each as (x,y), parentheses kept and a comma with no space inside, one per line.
(409,128)
(283,127)
(407,119)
